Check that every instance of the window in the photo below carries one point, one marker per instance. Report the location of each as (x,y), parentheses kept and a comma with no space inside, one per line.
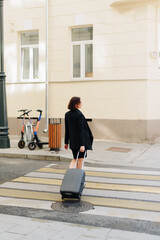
(29,56)
(82,52)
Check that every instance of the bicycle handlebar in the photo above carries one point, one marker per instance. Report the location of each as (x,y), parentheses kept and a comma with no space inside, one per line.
(25,113)
(22,110)
(39,110)
(28,112)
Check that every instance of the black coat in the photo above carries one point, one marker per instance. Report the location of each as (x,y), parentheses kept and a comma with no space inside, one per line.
(77,131)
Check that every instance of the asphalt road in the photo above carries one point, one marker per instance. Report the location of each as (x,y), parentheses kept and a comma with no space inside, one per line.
(11,168)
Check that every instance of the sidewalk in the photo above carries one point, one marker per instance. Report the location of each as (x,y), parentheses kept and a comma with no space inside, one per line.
(22,228)
(106,153)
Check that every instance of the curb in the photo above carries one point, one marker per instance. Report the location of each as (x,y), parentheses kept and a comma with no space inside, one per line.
(36,157)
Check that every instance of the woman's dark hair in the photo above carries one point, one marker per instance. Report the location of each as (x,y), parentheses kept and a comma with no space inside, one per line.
(74,101)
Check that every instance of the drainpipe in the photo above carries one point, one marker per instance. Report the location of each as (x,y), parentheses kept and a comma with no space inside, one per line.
(157,31)
(46,71)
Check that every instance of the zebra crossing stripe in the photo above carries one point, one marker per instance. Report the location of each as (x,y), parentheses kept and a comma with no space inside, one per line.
(106,174)
(93,185)
(46,181)
(105,190)
(26,203)
(86,192)
(97,179)
(124,213)
(98,201)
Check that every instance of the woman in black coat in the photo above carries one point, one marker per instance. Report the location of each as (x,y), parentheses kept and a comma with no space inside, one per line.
(77,132)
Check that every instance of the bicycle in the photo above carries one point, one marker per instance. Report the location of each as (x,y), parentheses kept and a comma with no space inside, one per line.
(21,143)
(36,141)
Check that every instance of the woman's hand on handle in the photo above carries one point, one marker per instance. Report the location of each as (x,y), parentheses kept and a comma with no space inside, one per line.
(66,146)
(82,148)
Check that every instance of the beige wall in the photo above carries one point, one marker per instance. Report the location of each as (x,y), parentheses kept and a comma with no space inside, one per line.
(120,38)
(125,86)
(102,100)
(25,96)
(23,16)
(120,49)
(153,84)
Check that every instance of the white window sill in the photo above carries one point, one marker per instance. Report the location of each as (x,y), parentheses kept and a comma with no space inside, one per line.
(119,2)
(82,79)
(30,80)
(26,81)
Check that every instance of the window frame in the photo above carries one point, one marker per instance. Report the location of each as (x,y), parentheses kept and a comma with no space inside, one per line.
(82,56)
(31,47)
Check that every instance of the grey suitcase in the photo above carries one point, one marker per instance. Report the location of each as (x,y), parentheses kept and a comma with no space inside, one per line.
(73,182)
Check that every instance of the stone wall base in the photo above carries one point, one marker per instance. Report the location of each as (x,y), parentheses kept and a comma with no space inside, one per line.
(137,131)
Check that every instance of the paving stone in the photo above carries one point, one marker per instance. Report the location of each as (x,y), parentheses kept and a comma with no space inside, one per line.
(40,234)
(10,236)
(68,235)
(4,226)
(90,238)
(98,232)
(124,235)
(23,229)
(114,239)
(14,220)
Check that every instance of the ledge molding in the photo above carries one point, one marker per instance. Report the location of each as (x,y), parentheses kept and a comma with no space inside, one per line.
(115,3)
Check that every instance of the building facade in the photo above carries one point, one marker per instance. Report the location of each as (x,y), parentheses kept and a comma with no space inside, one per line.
(105,51)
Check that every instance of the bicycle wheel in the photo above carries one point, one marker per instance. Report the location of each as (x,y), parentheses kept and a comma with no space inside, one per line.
(21,144)
(31,145)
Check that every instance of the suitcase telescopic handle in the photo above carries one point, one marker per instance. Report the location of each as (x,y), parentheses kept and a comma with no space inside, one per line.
(83,159)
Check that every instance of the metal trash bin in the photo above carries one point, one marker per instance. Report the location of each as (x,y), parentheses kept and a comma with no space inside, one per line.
(55,134)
